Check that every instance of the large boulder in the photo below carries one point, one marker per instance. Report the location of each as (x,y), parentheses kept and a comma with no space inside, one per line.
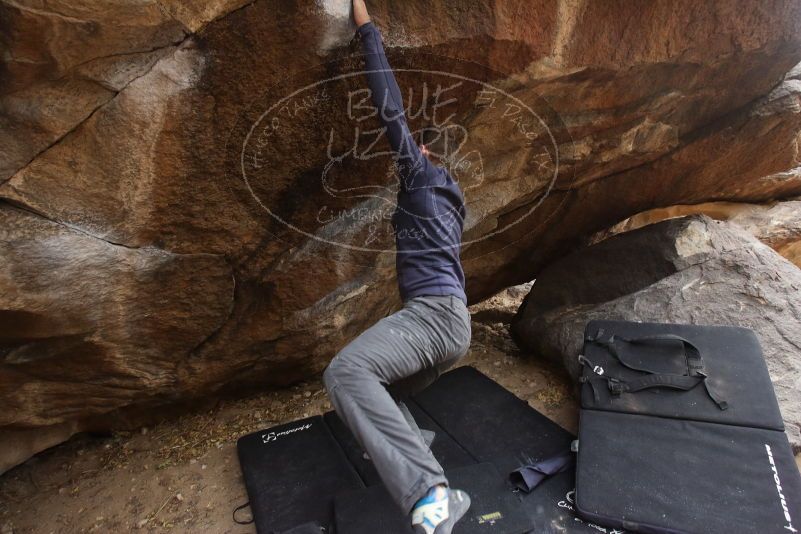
(78,331)
(211,133)
(777,224)
(690,270)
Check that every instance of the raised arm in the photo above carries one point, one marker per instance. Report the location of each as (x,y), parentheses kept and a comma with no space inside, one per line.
(414,167)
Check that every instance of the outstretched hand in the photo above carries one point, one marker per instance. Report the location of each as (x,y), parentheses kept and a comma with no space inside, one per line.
(360,15)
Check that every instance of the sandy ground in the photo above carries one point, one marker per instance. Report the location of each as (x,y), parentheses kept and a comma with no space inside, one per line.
(183,475)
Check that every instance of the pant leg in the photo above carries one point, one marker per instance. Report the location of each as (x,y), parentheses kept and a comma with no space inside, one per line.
(425,333)
(411,385)
(425,436)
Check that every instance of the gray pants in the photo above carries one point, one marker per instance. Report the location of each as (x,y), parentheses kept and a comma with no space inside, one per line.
(397,357)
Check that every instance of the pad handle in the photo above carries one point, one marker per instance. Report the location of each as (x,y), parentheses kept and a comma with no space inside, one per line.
(692,356)
(696,371)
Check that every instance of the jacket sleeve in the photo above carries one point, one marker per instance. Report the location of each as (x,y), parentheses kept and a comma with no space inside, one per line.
(413,167)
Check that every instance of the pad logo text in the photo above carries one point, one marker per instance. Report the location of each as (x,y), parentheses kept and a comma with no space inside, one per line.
(568,502)
(273,436)
(782,499)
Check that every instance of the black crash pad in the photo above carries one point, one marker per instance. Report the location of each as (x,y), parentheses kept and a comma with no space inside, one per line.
(318,475)
(733,364)
(669,460)
(291,470)
(493,425)
(446,450)
(490,422)
(551,508)
(695,473)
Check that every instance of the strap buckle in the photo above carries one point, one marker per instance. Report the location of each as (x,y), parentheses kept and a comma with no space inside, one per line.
(615,386)
(597,369)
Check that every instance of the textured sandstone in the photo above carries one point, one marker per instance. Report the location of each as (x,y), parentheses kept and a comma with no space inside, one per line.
(776,224)
(63,60)
(124,126)
(89,327)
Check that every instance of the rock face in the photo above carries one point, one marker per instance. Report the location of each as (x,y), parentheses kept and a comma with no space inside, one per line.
(78,330)
(187,210)
(691,270)
(777,224)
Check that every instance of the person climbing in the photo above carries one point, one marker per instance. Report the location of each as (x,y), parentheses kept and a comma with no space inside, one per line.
(403,353)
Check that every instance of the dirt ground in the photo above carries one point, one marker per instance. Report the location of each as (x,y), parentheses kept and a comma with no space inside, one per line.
(183,475)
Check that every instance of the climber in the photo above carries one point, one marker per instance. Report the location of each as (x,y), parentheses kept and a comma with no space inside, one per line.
(403,353)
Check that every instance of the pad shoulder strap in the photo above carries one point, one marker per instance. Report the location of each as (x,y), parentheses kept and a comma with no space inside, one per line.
(696,370)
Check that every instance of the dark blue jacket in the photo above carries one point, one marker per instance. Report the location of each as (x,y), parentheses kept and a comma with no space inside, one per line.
(430,213)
